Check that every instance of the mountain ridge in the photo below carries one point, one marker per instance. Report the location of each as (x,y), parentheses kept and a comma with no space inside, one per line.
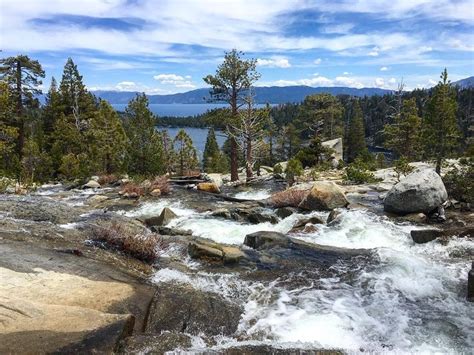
(263,94)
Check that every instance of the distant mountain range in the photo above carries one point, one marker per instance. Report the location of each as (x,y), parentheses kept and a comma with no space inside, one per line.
(271,94)
(465,83)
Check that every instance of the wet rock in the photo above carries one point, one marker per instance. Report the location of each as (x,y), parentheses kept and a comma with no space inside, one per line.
(215,178)
(425,235)
(97,199)
(284,212)
(416,217)
(166,216)
(154,344)
(184,309)
(203,251)
(470,284)
(170,231)
(324,195)
(232,255)
(421,191)
(334,217)
(91,184)
(256,217)
(265,239)
(209,187)
(304,221)
(222,212)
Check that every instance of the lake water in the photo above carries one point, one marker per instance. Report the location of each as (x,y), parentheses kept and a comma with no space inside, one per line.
(177,110)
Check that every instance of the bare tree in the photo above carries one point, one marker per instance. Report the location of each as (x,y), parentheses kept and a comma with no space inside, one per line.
(249,133)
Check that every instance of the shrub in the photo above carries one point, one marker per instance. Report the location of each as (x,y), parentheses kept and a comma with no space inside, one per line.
(108,179)
(277,169)
(288,198)
(161,182)
(459,181)
(143,246)
(358,173)
(293,170)
(132,188)
(402,167)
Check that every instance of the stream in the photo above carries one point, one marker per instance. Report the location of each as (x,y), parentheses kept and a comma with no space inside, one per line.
(412,300)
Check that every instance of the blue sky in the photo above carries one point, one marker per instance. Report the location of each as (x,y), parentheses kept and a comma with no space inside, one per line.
(168,46)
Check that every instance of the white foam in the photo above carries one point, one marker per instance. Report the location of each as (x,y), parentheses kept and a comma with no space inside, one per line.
(155,207)
(254,194)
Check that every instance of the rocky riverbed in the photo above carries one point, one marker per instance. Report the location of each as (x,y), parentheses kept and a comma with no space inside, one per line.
(232,274)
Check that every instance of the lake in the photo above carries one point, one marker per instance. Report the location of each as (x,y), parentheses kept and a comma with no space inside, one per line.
(176,110)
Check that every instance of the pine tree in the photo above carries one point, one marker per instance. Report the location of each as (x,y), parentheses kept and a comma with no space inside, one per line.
(145,143)
(51,112)
(8,134)
(214,161)
(356,145)
(232,80)
(168,151)
(440,129)
(404,135)
(322,115)
(186,154)
(108,140)
(23,77)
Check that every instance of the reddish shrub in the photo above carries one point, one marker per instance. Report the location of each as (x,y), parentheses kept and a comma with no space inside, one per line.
(108,179)
(132,188)
(143,246)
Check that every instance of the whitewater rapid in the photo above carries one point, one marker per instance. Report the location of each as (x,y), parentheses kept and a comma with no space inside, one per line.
(411,301)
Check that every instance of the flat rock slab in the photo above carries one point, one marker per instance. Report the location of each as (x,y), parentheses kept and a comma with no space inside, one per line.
(52,301)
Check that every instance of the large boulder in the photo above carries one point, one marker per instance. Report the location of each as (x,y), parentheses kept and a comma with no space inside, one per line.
(421,236)
(421,191)
(163,219)
(182,308)
(216,179)
(324,195)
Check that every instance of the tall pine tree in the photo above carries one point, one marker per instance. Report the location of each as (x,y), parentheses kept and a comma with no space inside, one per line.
(213,161)
(440,129)
(109,142)
(145,143)
(356,145)
(186,155)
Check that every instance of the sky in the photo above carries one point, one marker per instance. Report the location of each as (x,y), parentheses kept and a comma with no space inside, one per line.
(168,46)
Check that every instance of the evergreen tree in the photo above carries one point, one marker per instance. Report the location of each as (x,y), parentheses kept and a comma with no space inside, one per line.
(186,155)
(441,133)
(321,114)
(109,142)
(51,111)
(403,136)
(145,143)
(23,77)
(168,151)
(8,134)
(35,164)
(232,80)
(356,145)
(214,161)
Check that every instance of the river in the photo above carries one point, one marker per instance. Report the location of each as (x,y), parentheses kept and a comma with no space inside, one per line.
(410,300)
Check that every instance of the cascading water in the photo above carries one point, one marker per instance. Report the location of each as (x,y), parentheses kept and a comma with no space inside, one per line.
(411,300)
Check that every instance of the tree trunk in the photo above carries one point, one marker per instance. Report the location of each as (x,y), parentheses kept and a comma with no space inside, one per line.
(438,165)
(234,163)
(248,159)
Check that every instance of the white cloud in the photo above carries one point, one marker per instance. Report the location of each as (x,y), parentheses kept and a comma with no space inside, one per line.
(383,69)
(374,52)
(346,73)
(175,80)
(317,61)
(379,82)
(318,81)
(275,62)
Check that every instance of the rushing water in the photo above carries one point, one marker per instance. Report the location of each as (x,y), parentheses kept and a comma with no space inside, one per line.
(412,300)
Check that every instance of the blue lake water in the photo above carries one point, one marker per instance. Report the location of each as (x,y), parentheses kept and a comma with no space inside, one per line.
(177,110)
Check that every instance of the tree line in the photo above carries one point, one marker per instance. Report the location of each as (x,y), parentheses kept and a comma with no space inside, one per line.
(74,134)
